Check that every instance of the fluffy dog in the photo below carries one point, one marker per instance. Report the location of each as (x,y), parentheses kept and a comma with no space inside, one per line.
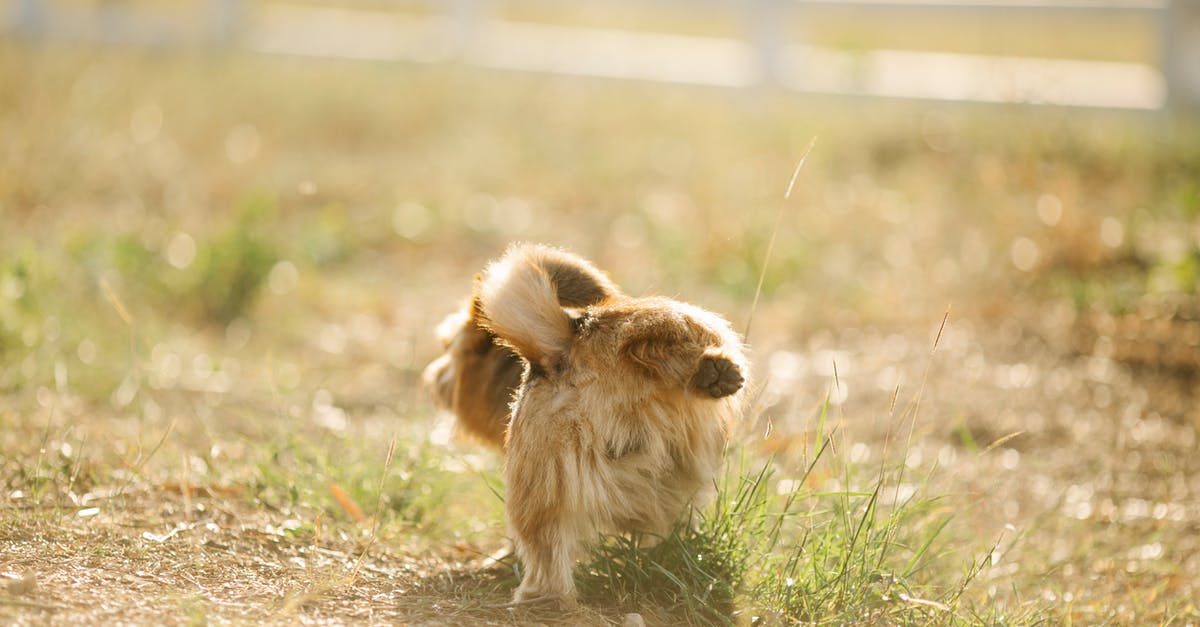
(621,415)
(477,375)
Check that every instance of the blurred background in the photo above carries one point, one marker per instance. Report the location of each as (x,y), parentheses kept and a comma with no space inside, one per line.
(239,222)
(1126,54)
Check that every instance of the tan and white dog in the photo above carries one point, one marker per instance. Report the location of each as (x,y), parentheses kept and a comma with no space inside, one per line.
(621,414)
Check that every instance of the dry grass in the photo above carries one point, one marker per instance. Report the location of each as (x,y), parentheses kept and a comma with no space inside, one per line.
(218,277)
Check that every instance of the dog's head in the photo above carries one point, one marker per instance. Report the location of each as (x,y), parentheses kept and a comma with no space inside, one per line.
(476,375)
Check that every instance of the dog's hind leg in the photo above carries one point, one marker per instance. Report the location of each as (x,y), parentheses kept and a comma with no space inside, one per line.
(548,561)
(688,357)
(542,503)
(718,375)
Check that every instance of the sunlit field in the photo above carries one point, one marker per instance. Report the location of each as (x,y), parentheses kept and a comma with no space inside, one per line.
(976,348)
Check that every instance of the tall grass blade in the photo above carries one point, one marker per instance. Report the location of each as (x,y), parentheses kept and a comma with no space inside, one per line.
(762,273)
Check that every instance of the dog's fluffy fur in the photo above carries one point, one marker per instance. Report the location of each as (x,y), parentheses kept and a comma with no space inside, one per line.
(478,374)
(621,415)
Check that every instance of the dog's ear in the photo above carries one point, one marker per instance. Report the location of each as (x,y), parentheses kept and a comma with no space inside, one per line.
(451,326)
(520,304)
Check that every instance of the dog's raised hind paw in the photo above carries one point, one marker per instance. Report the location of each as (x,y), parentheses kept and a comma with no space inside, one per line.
(718,376)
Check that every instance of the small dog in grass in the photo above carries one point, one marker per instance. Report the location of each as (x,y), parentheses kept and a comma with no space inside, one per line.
(620,417)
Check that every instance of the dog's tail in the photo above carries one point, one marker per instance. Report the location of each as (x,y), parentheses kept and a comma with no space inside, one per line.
(522,297)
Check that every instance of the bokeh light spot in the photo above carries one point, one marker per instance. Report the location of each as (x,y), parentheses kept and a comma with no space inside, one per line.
(1025,254)
(242,144)
(1049,209)
(181,250)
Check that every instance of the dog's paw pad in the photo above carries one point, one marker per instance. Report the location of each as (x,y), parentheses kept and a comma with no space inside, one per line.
(718,376)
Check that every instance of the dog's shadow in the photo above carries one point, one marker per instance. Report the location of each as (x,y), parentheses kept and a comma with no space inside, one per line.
(622,576)
(479,592)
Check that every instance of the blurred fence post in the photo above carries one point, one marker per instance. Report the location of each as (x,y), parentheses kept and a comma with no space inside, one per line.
(30,17)
(226,20)
(767,32)
(466,20)
(1181,53)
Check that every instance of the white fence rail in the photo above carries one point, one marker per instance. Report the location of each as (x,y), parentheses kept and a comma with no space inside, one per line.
(766,53)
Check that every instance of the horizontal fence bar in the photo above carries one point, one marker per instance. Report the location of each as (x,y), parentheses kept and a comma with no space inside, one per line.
(1097,6)
(767,52)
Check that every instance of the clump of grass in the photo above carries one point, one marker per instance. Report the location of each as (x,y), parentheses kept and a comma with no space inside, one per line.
(221,282)
(16,306)
(760,552)
(853,561)
(696,572)
(232,267)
